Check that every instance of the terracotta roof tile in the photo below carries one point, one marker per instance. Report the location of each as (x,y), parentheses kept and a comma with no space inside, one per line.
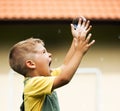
(59,9)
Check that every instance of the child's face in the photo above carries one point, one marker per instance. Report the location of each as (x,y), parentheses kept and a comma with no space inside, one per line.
(42,61)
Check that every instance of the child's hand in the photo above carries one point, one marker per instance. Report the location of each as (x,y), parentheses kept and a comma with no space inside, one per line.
(83,44)
(82,28)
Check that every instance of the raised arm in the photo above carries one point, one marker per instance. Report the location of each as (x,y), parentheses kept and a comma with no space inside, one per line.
(80,44)
(76,32)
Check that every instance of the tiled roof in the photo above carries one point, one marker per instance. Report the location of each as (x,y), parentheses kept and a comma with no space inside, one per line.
(59,9)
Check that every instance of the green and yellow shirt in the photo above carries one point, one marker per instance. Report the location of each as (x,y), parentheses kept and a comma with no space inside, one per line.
(38,95)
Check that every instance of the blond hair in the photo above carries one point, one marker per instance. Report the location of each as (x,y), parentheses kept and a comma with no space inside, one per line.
(22,51)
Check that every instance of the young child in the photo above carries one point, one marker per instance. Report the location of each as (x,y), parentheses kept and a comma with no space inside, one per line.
(31,59)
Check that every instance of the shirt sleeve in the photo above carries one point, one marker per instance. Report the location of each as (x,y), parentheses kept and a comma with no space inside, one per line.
(38,86)
(56,72)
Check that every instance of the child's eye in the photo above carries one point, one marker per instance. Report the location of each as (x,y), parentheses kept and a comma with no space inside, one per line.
(44,51)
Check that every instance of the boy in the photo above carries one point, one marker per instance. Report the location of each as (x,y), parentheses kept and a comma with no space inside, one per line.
(31,59)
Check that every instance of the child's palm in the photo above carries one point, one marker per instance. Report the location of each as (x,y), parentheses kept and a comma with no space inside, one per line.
(81,29)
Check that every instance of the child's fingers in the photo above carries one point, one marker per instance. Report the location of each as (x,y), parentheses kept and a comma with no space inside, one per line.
(73,30)
(83,18)
(91,43)
(87,24)
(88,38)
(79,22)
(84,21)
(72,26)
(89,28)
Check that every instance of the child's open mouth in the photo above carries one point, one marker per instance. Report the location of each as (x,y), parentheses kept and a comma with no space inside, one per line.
(50,63)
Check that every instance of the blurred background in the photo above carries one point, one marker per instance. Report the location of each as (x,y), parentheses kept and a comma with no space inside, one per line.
(96,85)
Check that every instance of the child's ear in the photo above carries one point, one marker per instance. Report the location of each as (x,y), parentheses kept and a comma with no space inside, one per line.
(30,64)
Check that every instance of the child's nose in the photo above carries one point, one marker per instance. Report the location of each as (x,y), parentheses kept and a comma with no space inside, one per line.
(50,55)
